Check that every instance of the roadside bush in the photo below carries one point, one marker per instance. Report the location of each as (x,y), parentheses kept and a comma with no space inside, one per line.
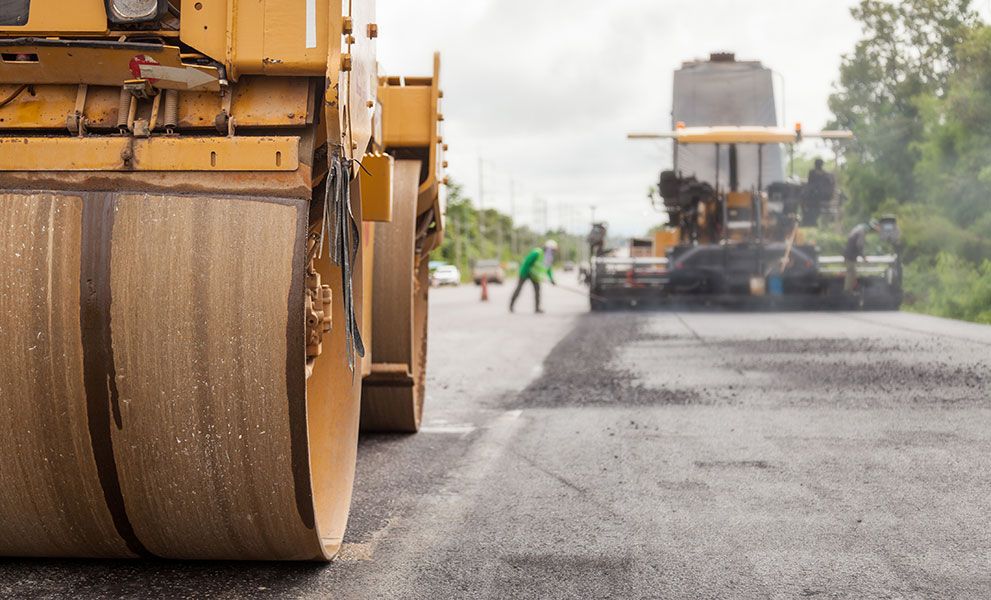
(950,287)
(829,242)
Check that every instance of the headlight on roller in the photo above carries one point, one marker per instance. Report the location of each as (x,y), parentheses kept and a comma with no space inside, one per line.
(136,11)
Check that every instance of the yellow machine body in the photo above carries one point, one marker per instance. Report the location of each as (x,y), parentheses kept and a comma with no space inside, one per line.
(411,128)
(377,187)
(270,37)
(739,200)
(149,154)
(180,367)
(741,224)
(664,240)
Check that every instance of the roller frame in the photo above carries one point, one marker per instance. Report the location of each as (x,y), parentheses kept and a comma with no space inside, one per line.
(393,393)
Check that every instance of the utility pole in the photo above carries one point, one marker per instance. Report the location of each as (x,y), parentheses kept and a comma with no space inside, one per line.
(593,214)
(458,240)
(481,203)
(536,215)
(500,236)
(512,217)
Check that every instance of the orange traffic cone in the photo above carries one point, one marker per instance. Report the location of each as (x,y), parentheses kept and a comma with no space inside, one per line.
(485,289)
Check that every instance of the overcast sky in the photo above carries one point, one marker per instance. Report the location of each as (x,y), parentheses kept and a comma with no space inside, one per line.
(545,91)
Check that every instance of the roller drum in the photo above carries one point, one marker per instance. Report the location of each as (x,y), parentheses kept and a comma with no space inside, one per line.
(393,394)
(153,387)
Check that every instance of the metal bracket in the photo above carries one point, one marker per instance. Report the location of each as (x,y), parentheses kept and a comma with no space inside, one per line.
(225,122)
(76,122)
(319,304)
(140,89)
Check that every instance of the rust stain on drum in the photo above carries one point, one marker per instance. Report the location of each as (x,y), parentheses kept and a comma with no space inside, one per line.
(100,377)
(52,502)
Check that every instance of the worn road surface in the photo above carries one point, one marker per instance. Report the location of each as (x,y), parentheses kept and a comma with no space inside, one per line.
(649,455)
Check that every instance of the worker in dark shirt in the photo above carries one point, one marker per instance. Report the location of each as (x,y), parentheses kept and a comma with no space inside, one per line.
(536,267)
(818,193)
(856,244)
(597,239)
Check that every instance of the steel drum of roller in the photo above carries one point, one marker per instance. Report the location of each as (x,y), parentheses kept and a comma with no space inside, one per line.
(154,382)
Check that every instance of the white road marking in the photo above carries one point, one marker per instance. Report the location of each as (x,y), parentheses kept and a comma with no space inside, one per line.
(449,429)
(442,426)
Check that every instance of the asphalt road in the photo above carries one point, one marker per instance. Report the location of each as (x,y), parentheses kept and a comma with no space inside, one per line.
(650,455)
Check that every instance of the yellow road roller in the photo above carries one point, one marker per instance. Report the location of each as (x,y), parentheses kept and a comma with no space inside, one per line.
(184,297)
(394,387)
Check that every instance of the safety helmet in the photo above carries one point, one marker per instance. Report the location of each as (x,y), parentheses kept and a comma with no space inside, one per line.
(550,245)
(874,224)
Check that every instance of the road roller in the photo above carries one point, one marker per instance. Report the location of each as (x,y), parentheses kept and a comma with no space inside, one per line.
(394,386)
(185,306)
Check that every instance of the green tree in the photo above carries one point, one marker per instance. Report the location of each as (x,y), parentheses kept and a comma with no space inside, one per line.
(954,168)
(473,235)
(916,91)
(908,53)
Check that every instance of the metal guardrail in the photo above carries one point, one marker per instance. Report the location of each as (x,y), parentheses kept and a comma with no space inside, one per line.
(603,260)
(883,259)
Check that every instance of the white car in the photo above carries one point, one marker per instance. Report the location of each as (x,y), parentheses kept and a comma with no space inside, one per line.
(446,275)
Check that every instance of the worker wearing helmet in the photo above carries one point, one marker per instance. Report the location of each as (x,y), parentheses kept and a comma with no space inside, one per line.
(818,193)
(535,268)
(856,244)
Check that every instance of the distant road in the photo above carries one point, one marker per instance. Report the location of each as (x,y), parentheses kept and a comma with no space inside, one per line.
(650,455)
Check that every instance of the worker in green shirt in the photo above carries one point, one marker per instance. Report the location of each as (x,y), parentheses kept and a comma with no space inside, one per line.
(536,266)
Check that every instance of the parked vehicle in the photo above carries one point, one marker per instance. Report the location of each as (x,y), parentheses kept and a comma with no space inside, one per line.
(446,275)
(488,269)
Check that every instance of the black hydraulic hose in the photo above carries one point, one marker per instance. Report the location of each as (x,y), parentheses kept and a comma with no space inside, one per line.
(345,243)
(13,96)
(734,174)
